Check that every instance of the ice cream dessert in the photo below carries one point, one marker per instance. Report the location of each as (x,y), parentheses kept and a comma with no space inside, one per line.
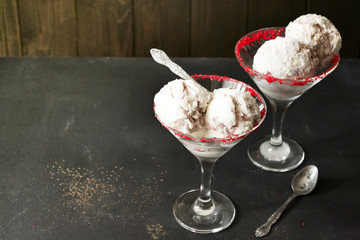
(181,104)
(229,112)
(212,122)
(284,67)
(188,107)
(317,33)
(284,57)
(310,42)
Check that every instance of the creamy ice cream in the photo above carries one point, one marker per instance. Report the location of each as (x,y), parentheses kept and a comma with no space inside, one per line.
(285,58)
(317,33)
(229,112)
(191,109)
(310,42)
(180,104)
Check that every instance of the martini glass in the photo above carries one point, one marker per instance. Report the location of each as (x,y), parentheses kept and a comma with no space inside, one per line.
(204,210)
(276,153)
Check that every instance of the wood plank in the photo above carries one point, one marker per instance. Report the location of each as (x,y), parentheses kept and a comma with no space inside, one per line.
(274,13)
(48,27)
(162,24)
(64,35)
(3,51)
(10,42)
(216,26)
(104,28)
(345,16)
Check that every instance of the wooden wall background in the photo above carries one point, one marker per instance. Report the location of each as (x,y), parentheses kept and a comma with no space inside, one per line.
(183,28)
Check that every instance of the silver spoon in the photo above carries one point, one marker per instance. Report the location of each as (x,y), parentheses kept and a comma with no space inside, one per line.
(303,183)
(160,57)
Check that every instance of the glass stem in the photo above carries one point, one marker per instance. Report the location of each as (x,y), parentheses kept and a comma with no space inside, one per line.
(279,110)
(204,201)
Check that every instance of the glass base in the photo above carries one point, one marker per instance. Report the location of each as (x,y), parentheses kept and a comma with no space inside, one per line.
(282,158)
(221,217)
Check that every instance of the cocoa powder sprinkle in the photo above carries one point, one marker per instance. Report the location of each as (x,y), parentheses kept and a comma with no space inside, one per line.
(102,194)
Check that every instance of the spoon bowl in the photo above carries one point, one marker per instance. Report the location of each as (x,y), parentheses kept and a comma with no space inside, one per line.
(305,181)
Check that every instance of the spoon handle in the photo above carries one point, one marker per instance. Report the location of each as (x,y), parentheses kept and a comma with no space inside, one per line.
(160,57)
(264,229)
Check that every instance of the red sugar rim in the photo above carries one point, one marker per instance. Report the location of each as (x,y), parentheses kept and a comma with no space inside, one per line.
(234,137)
(268,34)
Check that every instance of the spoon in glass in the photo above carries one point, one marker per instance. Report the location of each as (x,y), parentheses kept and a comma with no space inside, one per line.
(160,57)
(302,184)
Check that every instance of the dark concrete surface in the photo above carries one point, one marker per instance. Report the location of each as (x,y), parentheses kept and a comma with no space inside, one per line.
(83,157)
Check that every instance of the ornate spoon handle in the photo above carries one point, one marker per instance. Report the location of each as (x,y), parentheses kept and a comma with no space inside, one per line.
(160,57)
(264,229)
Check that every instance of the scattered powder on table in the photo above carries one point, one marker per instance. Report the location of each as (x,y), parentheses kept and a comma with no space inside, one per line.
(278,230)
(103,194)
(156,231)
